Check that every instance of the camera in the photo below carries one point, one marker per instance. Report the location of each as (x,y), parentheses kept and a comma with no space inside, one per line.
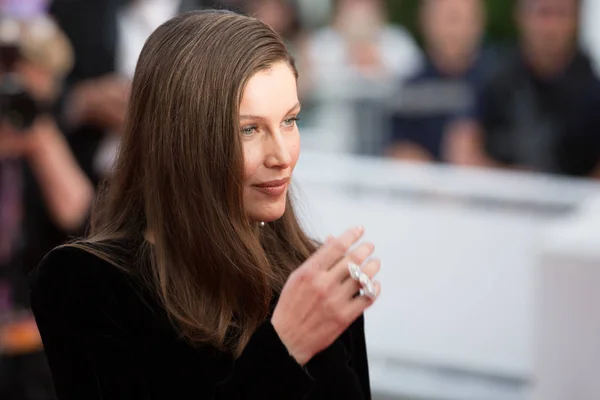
(35,41)
(18,108)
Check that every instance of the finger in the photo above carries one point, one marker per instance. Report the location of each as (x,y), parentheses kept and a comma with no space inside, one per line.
(111,89)
(117,113)
(357,256)
(350,287)
(116,94)
(114,115)
(113,80)
(351,236)
(335,248)
(360,303)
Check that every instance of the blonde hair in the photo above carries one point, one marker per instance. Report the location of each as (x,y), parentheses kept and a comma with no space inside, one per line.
(41,42)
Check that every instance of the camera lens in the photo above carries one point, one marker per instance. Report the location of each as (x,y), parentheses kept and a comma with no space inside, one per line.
(21,111)
(17,107)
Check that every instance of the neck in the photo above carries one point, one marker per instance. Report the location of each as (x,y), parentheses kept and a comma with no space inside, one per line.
(452,63)
(546,64)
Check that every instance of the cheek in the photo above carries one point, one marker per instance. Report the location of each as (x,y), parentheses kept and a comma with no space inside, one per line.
(252,159)
(294,148)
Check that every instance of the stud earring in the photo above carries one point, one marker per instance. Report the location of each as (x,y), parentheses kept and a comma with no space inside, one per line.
(261,224)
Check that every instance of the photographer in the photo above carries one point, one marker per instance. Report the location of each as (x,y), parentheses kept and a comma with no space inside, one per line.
(44,195)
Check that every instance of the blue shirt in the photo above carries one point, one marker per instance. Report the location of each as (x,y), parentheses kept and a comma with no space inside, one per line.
(431,99)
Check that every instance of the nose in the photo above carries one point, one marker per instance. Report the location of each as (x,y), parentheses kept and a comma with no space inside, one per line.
(278,154)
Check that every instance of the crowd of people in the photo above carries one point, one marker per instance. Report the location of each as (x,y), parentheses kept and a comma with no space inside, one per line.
(459,99)
(365,84)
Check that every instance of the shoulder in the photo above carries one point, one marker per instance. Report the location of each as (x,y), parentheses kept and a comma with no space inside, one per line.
(70,264)
(324,41)
(582,69)
(500,78)
(70,277)
(399,35)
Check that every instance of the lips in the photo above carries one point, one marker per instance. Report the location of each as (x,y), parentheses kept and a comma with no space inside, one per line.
(269,184)
(273,188)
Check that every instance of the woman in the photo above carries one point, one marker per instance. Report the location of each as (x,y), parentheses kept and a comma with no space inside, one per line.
(197,281)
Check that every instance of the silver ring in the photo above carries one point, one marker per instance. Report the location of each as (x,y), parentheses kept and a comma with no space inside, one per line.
(356,273)
(368,288)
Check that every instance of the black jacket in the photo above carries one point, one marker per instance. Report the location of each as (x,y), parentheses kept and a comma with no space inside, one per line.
(106,338)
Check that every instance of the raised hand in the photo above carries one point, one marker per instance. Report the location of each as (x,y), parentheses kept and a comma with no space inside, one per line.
(320,299)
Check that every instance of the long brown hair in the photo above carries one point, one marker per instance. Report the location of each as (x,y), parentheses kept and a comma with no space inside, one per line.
(179,176)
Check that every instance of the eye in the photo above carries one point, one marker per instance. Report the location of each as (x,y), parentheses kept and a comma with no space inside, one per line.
(249,130)
(290,121)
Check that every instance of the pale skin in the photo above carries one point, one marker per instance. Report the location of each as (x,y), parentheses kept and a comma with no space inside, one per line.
(319,300)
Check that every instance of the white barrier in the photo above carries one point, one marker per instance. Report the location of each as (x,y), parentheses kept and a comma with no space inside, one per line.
(455,319)
(567,341)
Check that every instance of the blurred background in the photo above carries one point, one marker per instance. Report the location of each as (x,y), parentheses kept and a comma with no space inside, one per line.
(464,135)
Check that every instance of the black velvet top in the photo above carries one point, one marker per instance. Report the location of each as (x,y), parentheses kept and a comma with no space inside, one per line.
(105,338)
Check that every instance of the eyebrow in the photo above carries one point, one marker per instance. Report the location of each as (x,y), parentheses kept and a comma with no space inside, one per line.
(297,105)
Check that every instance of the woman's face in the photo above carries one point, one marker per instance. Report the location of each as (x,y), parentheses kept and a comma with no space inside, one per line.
(271,141)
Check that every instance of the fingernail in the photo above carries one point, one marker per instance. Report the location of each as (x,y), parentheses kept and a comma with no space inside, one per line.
(359,229)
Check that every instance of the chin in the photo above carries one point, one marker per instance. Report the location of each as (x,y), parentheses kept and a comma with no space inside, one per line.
(269,213)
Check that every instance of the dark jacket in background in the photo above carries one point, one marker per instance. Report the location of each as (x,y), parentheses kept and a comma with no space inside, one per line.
(551,125)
